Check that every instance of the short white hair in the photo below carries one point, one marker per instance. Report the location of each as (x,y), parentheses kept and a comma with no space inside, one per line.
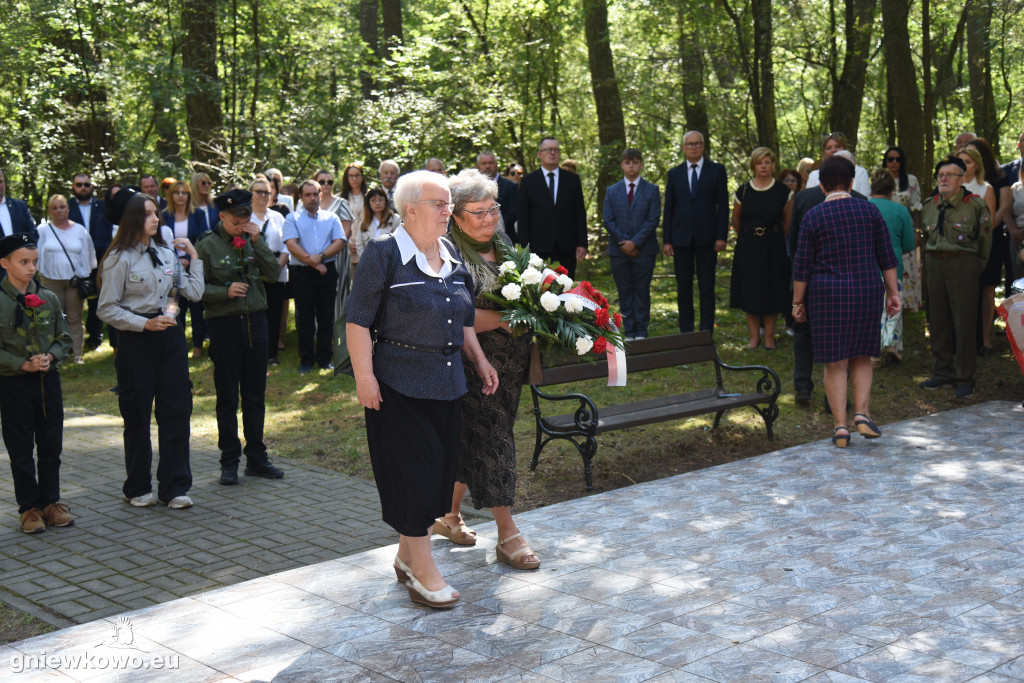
(693,132)
(846,154)
(409,188)
(389,162)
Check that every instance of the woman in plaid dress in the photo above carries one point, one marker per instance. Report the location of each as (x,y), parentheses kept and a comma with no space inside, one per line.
(843,249)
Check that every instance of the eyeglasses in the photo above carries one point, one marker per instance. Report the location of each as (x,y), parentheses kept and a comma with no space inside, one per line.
(889,160)
(550,150)
(204,183)
(439,204)
(947,176)
(326,182)
(355,175)
(789,181)
(699,143)
(833,134)
(493,211)
(261,193)
(516,173)
(83,184)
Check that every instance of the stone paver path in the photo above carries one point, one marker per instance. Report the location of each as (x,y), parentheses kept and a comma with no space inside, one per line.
(117,558)
(899,559)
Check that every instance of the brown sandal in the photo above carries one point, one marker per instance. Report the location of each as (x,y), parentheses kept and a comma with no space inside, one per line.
(460,534)
(513,559)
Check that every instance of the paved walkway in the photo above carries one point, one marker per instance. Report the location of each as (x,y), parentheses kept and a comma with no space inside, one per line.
(117,558)
(900,559)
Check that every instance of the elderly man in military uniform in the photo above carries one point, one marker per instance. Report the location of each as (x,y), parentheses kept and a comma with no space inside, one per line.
(959,238)
(236,263)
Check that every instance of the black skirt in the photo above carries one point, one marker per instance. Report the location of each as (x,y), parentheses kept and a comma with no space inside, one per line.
(414,450)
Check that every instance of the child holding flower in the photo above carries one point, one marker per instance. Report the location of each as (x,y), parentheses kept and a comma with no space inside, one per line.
(34,338)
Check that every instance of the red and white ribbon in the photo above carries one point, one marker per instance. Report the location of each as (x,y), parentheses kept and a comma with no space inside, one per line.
(616,355)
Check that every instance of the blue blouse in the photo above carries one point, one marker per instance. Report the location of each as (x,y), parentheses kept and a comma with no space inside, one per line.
(425,310)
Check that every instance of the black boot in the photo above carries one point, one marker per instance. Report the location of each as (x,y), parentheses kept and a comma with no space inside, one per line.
(228,476)
(262,469)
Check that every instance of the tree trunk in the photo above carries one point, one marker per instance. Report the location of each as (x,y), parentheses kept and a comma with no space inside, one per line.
(253,121)
(611,130)
(94,132)
(371,52)
(929,98)
(691,65)
(204,119)
(907,113)
(979,69)
(392,19)
(848,86)
(762,90)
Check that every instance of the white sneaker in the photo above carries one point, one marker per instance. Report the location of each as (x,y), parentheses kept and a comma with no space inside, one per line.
(178,503)
(146,500)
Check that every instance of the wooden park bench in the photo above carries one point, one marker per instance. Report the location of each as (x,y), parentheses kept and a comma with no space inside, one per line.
(582,426)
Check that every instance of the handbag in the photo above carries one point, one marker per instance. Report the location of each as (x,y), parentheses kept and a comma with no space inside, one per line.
(342,361)
(86,286)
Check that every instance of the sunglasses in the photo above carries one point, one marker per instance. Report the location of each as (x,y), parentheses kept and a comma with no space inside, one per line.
(326,182)
(83,184)
(891,159)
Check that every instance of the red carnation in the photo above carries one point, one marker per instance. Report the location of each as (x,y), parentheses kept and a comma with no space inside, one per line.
(33,301)
(600,345)
(238,242)
(562,270)
(601,317)
(618,320)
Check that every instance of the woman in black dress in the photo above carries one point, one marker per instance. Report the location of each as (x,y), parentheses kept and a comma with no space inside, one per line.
(411,381)
(845,258)
(760,268)
(488,462)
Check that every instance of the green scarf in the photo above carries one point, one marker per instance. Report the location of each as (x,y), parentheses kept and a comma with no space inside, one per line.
(470,248)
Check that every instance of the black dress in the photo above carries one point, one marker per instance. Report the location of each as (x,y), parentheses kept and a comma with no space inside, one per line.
(760,267)
(488,445)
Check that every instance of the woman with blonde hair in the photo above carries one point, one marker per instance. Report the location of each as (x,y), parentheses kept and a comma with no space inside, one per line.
(830,144)
(202,198)
(760,268)
(182,219)
(66,252)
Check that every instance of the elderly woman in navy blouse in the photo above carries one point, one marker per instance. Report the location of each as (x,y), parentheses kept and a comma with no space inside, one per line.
(411,381)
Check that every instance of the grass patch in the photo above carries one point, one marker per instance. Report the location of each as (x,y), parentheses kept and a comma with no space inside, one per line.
(17,625)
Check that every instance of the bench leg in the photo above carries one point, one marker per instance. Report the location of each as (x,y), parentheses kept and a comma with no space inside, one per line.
(537,449)
(769,414)
(718,418)
(587,452)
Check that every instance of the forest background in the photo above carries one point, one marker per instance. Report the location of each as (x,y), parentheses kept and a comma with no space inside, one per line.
(234,86)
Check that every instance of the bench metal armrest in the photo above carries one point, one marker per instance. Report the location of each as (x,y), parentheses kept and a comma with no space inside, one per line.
(768,383)
(585,415)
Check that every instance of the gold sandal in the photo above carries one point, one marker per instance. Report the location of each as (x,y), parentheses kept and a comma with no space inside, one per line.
(460,534)
(513,559)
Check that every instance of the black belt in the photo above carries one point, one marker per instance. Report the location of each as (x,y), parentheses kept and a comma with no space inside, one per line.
(446,350)
(761,230)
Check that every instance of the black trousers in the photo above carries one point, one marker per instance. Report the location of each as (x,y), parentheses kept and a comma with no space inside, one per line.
(198,312)
(94,326)
(276,296)
(154,366)
(314,311)
(238,349)
(32,408)
(702,261)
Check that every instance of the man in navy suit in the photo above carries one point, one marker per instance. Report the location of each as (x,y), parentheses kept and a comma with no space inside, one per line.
(551,215)
(695,228)
(91,213)
(632,209)
(508,192)
(14,216)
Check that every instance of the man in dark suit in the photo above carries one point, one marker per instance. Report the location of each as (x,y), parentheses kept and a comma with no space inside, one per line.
(148,185)
(14,216)
(508,192)
(631,212)
(551,215)
(91,213)
(695,228)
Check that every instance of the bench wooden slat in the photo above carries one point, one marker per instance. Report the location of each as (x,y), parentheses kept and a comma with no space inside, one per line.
(585,370)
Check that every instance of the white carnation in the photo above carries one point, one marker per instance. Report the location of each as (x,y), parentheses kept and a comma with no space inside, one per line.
(573,305)
(564,280)
(532,276)
(549,301)
(536,261)
(583,345)
(506,267)
(511,291)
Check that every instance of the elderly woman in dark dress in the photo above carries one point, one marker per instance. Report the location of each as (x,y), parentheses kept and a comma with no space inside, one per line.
(843,245)
(488,462)
(411,381)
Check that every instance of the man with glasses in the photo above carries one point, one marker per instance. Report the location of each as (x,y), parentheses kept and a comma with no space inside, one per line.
(92,213)
(313,237)
(695,228)
(508,192)
(958,230)
(551,215)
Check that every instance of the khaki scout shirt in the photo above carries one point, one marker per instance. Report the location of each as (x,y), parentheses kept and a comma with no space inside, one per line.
(50,329)
(223,265)
(966,225)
